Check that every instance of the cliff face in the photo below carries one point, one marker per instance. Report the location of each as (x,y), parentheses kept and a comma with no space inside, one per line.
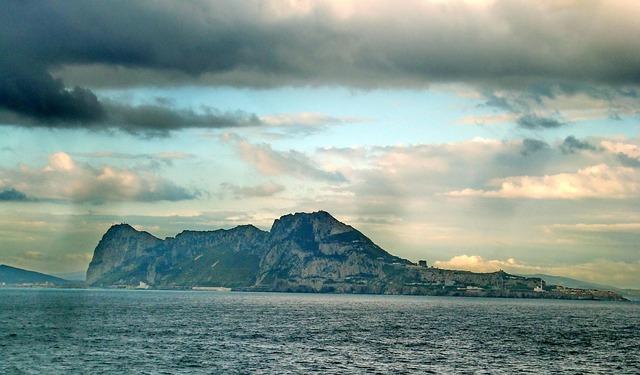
(121,248)
(310,252)
(227,258)
(230,258)
(301,251)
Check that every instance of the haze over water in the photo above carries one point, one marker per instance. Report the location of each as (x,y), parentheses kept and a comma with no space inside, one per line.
(88,331)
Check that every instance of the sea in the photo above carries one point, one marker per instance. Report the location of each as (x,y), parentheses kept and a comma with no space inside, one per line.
(87,331)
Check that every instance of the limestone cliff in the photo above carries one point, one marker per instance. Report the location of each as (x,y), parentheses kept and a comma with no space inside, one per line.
(120,248)
(304,252)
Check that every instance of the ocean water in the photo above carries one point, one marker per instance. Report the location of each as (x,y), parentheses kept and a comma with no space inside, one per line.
(166,332)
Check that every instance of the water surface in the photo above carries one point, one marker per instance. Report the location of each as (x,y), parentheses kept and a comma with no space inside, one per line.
(166,332)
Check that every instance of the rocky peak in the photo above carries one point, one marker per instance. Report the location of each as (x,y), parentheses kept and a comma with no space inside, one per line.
(122,229)
(316,226)
(118,245)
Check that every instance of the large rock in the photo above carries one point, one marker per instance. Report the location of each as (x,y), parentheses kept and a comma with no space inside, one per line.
(303,250)
(120,249)
(306,252)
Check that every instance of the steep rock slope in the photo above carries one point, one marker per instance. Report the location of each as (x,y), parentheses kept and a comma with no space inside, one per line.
(228,258)
(309,250)
(121,248)
(302,251)
(305,252)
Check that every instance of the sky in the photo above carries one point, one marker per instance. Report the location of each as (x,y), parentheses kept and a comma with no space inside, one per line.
(477,135)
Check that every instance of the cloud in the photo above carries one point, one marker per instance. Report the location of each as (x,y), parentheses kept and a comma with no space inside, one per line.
(305,119)
(379,44)
(530,146)
(423,171)
(572,144)
(160,120)
(598,181)
(628,161)
(599,227)
(13,195)
(270,162)
(26,88)
(549,104)
(482,120)
(302,123)
(629,149)
(628,154)
(533,122)
(45,77)
(156,159)
(268,189)
(148,120)
(63,179)
(475,263)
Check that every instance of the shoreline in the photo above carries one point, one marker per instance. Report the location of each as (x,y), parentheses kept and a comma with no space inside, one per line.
(246,290)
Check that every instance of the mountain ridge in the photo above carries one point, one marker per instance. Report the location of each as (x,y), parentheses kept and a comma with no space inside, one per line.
(302,252)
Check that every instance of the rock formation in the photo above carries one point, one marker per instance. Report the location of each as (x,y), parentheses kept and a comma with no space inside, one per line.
(303,252)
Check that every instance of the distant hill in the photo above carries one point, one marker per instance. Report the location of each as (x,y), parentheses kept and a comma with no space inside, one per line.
(13,275)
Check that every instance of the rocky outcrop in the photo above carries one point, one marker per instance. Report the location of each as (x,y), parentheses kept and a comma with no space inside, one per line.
(303,252)
(121,248)
(307,251)
(227,258)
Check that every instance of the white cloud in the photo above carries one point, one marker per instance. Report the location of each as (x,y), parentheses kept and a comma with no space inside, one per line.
(629,149)
(598,181)
(64,179)
(305,119)
(270,162)
(476,263)
(60,161)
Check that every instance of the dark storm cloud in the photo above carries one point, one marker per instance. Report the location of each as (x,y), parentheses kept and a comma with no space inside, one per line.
(31,97)
(278,43)
(532,122)
(572,144)
(148,120)
(156,119)
(13,195)
(28,89)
